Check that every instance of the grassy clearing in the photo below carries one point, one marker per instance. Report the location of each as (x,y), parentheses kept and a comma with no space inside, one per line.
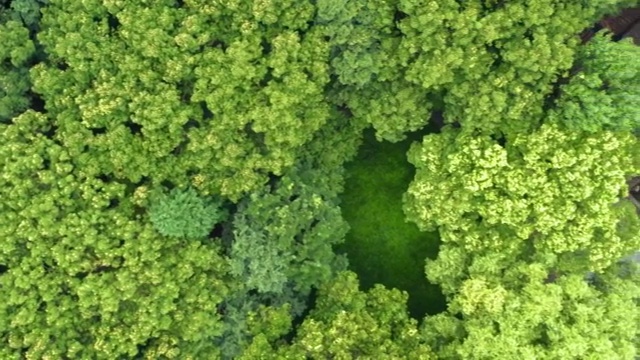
(381,246)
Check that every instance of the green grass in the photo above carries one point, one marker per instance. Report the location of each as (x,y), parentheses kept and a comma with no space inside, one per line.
(381,246)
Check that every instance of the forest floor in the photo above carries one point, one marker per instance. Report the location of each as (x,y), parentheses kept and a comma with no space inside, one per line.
(381,246)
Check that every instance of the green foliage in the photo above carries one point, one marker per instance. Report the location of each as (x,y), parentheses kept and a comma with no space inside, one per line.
(553,188)
(349,324)
(16,49)
(183,214)
(520,315)
(285,236)
(263,102)
(287,231)
(28,11)
(86,277)
(473,59)
(280,241)
(206,95)
(381,246)
(605,94)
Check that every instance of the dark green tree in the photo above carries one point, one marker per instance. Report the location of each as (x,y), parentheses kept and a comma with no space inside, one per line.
(605,92)
(183,214)
(16,50)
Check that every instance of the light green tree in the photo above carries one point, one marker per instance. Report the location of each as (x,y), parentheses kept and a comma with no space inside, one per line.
(523,314)
(559,192)
(200,94)
(84,273)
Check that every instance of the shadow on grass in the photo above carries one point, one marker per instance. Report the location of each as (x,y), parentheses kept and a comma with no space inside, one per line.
(381,246)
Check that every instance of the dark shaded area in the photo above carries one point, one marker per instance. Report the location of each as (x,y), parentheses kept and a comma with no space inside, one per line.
(98,270)
(634,192)
(544,340)
(556,92)
(37,103)
(528,34)
(498,60)
(142,348)
(217,231)
(257,138)
(266,47)
(132,186)
(266,79)
(622,25)
(169,185)
(113,22)
(206,113)
(436,122)
(3,269)
(226,236)
(191,123)
(590,32)
(298,320)
(499,139)
(215,43)
(273,181)
(50,132)
(113,203)
(98,131)
(181,147)
(399,16)
(105,178)
(135,128)
(488,7)
(185,89)
(62,65)
(299,237)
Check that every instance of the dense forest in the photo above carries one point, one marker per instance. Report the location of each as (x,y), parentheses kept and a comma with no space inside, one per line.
(319,179)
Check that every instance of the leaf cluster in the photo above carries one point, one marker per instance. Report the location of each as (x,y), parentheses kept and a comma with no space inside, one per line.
(184,214)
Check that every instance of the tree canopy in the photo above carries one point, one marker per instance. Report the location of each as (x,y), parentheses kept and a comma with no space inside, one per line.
(178,179)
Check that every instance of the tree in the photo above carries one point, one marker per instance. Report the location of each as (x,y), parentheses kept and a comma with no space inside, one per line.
(349,324)
(521,315)
(398,61)
(84,274)
(16,51)
(214,98)
(182,214)
(559,191)
(280,240)
(605,92)
(27,11)
(257,105)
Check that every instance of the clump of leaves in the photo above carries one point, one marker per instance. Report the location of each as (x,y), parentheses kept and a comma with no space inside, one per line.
(184,214)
